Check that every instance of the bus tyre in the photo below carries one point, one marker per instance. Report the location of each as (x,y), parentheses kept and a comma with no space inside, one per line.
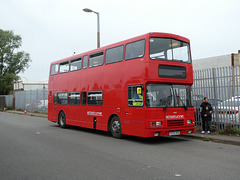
(116,128)
(62,120)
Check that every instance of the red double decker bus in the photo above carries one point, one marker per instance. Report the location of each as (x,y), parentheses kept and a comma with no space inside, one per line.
(140,87)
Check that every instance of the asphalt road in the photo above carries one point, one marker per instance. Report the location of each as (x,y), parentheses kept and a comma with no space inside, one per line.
(34,148)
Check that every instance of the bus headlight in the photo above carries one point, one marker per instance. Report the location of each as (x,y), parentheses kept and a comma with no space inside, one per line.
(189,121)
(159,124)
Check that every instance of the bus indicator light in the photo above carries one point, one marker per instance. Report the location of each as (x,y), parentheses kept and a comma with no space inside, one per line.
(152,124)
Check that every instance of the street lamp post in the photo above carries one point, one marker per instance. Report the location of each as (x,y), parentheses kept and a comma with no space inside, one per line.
(98,25)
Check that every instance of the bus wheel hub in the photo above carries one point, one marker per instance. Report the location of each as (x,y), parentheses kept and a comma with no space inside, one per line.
(116,126)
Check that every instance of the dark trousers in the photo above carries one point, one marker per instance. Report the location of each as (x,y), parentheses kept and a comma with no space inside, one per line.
(208,124)
(203,122)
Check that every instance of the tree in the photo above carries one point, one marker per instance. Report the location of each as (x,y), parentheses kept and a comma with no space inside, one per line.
(12,62)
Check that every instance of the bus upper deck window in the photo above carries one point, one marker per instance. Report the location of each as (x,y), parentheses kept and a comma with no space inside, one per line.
(64,67)
(135,49)
(54,69)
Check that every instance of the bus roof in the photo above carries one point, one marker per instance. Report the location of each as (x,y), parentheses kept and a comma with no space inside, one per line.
(150,34)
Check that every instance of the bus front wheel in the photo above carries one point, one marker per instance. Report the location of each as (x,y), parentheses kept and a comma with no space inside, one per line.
(62,120)
(116,128)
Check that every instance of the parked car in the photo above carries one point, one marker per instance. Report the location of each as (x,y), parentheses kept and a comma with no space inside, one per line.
(214,102)
(37,105)
(229,110)
(42,104)
(31,105)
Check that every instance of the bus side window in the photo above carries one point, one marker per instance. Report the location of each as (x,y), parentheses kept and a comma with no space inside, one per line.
(54,69)
(64,67)
(85,61)
(55,98)
(74,98)
(96,59)
(114,55)
(135,49)
(83,98)
(76,64)
(135,95)
(62,98)
(95,98)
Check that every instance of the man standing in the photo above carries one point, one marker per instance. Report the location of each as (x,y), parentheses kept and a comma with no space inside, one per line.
(206,107)
(208,118)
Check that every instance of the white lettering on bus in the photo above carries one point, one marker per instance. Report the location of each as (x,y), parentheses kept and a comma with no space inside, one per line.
(174,116)
(93,113)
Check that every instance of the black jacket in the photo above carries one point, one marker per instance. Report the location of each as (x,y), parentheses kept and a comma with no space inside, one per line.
(204,105)
(209,116)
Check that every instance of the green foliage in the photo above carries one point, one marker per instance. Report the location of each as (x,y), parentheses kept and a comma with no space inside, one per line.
(221,131)
(229,130)
(9,108)
(12,62)
(234,131)
(7,81)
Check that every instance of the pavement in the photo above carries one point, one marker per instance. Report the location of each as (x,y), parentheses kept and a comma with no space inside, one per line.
(28,113)
(225,139)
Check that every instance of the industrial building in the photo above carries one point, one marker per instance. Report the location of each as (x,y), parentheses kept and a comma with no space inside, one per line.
(217,62)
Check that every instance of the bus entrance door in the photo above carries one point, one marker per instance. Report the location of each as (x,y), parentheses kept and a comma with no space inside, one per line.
(54,109)
(134,121)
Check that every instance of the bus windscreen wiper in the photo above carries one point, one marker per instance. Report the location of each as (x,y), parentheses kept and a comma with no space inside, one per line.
(166,106)
(185,107)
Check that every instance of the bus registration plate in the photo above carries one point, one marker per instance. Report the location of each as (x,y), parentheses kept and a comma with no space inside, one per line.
(174,133)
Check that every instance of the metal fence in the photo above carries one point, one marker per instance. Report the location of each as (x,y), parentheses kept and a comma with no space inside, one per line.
(32,100)
(9,100)
(222,87)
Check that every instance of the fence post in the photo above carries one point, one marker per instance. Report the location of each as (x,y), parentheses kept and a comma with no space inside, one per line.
(31,99)
(44,105)
(13,100)
(215,97)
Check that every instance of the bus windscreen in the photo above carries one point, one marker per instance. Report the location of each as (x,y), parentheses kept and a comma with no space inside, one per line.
(166,95)
(169,49)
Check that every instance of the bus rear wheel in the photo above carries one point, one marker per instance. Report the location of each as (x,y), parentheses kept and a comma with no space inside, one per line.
(116,128)
(62,120)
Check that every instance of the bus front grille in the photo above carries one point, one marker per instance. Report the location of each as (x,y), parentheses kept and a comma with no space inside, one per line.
(171,123)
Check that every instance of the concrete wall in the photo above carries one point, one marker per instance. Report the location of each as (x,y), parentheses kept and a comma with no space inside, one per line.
(24,84)
(217,62)
(212,62)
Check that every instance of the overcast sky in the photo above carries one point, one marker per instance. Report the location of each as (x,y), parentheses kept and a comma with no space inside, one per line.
(55,29)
